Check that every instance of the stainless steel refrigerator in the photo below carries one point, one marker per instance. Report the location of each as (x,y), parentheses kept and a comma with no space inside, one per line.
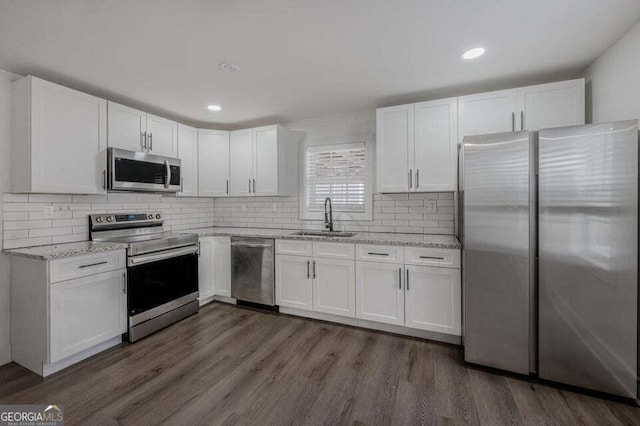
(579,324)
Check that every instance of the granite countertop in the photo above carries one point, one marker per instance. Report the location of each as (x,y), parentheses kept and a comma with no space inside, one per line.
(58,251)
(416,240)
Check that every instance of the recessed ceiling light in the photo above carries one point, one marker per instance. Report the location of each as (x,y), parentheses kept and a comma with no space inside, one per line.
(229,67)
(214,107)
(474,53)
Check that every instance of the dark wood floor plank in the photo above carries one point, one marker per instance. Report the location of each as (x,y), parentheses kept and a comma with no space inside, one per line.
(235,366)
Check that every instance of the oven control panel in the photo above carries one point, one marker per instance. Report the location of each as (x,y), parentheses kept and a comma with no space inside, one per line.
(125,219)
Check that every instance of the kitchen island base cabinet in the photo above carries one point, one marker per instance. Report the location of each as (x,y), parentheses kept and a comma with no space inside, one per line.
(380,292)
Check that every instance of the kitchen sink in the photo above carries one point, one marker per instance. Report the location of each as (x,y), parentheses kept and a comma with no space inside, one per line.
(326,233)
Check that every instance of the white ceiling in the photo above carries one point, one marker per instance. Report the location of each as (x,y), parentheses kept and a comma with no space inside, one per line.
(300,58)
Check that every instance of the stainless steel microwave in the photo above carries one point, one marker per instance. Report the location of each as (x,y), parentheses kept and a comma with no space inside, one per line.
(140,171)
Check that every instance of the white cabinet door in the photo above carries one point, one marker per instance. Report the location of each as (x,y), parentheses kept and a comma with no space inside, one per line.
(294,285)
(551,105)
(395,138)
(334,286)
(188,154)
(379,292)
(68,135)
(205,269)
(127,127)
(241,162)
(433,299)
(162,136)
(222,266)
(265,160)
(85,312)
(213,146)
(436,142)
(485,113)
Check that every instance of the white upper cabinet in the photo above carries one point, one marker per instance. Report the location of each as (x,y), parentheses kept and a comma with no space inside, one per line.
(435,152)
(188,154)
(240,162)
(213,163)
(262,161)
(485,113)
(59,138)
(127,128)
(162,136)
(135,130)
(395,138)
(552,105)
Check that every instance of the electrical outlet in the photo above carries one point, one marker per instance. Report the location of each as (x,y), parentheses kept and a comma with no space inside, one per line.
(47,212)
(432,206)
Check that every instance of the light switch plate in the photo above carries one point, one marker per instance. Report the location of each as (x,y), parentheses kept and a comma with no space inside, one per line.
(47,212)
(432,206)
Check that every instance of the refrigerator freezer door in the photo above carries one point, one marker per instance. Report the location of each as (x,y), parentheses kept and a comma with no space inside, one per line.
(588,241)
(499,247)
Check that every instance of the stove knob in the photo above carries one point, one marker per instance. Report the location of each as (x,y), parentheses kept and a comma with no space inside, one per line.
(108,219)
(158,216)
(150,216)
(99,219)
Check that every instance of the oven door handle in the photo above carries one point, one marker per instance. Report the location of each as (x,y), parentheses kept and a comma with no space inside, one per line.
(148,258)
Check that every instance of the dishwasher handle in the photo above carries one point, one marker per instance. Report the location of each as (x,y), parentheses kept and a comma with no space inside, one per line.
(252,245)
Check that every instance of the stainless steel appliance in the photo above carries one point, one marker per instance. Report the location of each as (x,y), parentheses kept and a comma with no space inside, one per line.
(252,270)
(162,269)
(141,171)
(584,258)
(498,233)
(588,249)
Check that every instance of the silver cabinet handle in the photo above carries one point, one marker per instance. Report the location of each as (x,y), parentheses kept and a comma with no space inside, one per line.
(410,178)
(372,253)
(168,167)
(513,121)
(521,120)
(417,178)
(254,186)
(432,257)
(104,179)
(92,264)
(227,186)
(124,283)
(150,141)
(143,140)
(249,186)
(400,278)
(308,266)
(314,269)
(198,248)
(407,281)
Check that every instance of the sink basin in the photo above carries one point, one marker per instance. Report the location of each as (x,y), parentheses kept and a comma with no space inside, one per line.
(326,233)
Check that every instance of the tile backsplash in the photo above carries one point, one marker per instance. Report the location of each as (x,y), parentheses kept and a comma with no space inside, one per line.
(24,222)
(406,213)
(25,225)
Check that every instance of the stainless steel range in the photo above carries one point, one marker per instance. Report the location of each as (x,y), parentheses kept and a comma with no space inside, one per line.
(162,269)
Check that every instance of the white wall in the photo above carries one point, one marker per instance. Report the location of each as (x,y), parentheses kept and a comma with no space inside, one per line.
(613,81)
(5,183)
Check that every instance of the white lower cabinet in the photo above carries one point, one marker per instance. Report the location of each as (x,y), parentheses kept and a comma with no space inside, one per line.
(433,299)
(294,285)
(205,270)
(379,292)
(222,266)
(334,290)
(86,311)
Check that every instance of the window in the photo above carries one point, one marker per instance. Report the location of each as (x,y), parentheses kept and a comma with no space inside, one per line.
(342,173)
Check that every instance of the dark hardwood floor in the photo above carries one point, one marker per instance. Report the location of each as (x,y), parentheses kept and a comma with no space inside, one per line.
(231,365)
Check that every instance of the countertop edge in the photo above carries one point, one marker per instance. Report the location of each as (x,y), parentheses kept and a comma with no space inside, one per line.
(71,252)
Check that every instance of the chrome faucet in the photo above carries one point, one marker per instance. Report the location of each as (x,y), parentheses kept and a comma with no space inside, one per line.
(328,216)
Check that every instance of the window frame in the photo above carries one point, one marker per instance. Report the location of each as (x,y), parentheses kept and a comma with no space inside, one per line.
(368,187)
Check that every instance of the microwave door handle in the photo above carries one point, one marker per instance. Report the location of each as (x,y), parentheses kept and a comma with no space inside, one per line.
(166,183)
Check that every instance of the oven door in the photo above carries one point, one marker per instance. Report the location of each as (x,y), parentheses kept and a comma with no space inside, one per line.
(160,282)
(140,171)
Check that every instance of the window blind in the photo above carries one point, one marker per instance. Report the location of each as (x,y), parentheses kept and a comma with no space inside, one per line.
(338,172)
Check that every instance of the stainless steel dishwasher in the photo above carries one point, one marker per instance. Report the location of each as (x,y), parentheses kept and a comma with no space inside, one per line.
(252,270)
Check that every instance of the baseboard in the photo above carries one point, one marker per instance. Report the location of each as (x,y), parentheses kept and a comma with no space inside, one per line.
(372,325)
(225,299)
(48,369)
(5,354)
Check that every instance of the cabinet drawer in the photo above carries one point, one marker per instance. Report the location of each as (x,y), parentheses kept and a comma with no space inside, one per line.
(82,266)
(444,258)
(334,250)
(385,254)
(294,247)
